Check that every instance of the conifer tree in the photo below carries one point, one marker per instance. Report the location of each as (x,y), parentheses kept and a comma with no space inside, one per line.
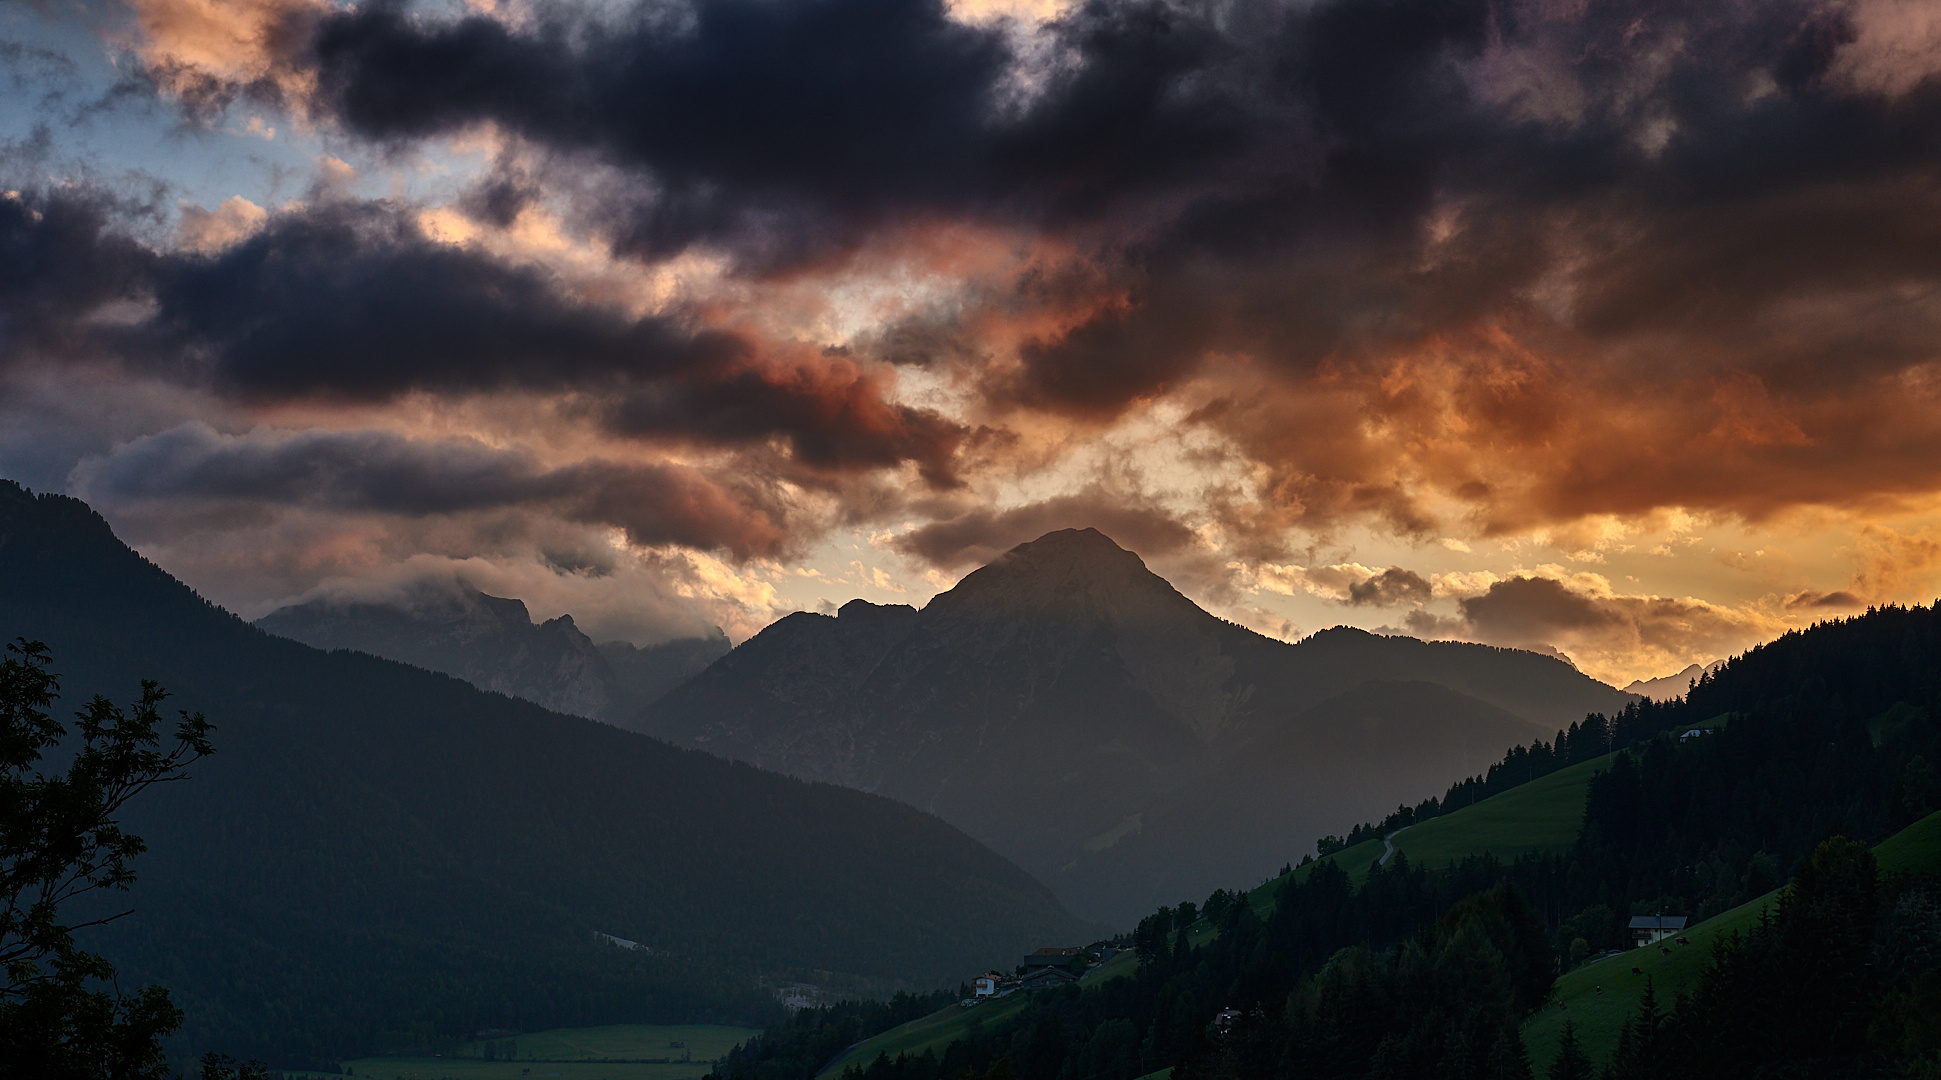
(1508,1058)
(1640,1049)
(1572,1063)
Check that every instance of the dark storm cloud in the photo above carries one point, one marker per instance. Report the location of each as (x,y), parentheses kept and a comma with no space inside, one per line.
(383,472)
(1535,258)
(350,301)
(1391,587)
(783,129)
(1533,609)
(1256,175)
(870,107)
(832,414)
(739,108)
(62,259)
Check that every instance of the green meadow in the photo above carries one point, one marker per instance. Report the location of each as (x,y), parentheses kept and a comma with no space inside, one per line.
(1541,816)
(1598,997)
(616,1052)
(946,1025)
(933,1032)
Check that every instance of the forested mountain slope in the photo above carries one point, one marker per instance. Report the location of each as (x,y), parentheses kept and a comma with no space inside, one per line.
(1073,710)
(1821,745)
(378,856)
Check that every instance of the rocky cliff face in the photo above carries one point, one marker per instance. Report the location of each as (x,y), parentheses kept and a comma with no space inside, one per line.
(492,643)
(1070,708)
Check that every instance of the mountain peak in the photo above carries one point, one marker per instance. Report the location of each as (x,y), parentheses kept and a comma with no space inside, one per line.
(1071,573)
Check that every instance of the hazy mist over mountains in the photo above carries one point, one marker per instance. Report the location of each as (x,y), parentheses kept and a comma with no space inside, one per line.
(1074,711)
(1672,686)
(492,643)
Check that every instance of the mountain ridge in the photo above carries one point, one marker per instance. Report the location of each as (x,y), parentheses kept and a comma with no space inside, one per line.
(1065,689)
(493,643)
(379,855)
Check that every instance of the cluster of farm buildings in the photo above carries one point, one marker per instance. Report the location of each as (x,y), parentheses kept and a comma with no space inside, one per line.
(1048,967)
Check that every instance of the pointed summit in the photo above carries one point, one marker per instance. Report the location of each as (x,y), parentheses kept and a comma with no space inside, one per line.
(1068,574)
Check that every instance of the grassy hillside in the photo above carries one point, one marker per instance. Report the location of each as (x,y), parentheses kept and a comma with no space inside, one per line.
(1541,816)
(933,1032)
(946,1025)
(1598,997)
(1917,847)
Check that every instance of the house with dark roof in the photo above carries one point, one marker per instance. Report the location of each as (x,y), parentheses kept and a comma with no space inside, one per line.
(1651,929)
(1051,958)
(1046,977)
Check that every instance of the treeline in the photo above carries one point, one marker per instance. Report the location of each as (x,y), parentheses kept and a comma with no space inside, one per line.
(1428,972)
(1592,737)
(1865,666)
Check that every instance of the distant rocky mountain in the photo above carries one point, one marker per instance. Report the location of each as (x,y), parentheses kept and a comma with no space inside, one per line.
(492,643)
(1071,709)
(379,857)
(1672,687)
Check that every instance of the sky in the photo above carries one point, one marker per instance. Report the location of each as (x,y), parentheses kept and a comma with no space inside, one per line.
(1611,330)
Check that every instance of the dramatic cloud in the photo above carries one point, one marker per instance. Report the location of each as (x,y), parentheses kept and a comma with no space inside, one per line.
(62,260)
(210,53)
(1440,240)
(185,470)
(1343,307)
(1390,588)
(1607,634)
(352,301)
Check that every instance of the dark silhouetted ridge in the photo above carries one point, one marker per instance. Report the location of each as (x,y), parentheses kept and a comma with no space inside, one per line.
(378,856)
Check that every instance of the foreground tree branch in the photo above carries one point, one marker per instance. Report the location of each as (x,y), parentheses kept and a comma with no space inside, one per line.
(60,1013)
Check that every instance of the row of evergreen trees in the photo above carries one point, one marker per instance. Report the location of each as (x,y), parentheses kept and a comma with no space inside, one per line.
(1592,737)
